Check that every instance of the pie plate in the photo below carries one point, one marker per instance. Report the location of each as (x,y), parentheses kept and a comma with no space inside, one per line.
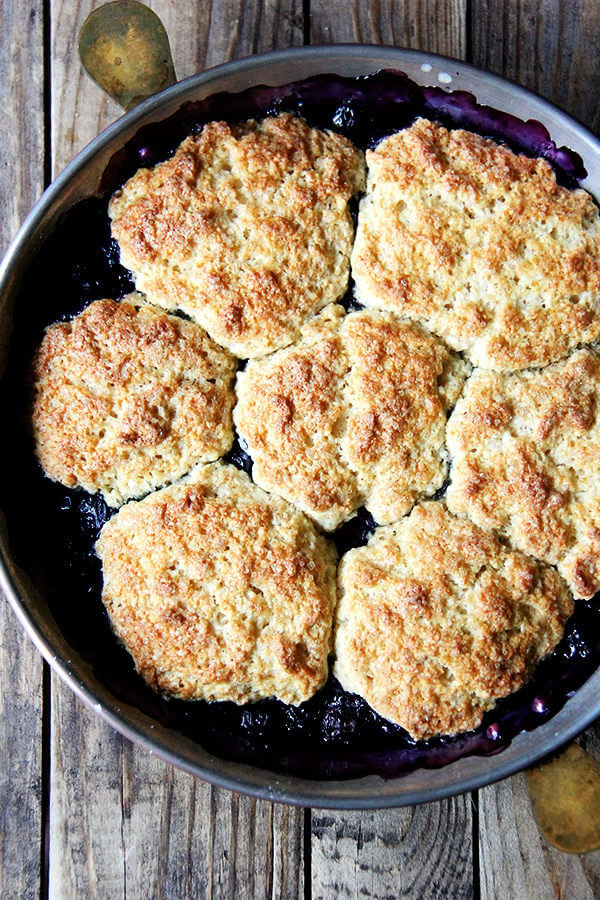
(81,179)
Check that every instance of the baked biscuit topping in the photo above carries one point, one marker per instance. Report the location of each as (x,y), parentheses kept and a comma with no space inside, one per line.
(223,592)
(219,591)
(525,450)
(128,398)
(355,413)
(246,228)
(436,620)
(400,386)
(481,245)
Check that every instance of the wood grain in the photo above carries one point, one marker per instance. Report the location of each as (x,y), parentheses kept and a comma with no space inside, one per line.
(21,94)
(125,824)
(438,26)
(551,47)
(421,852)
(21,709)
(21,697)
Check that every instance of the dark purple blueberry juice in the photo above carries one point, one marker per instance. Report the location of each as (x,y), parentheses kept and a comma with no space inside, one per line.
(53,530)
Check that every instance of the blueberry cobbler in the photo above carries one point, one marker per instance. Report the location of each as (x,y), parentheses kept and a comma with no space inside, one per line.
(305,409)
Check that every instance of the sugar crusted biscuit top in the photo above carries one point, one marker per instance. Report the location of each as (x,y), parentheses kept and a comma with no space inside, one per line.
(288,412)
(127,398)
(355,413)
(481,245)
(222,592)
(401,383)
(219,591)
(246,228)
(436,620)
(526,453)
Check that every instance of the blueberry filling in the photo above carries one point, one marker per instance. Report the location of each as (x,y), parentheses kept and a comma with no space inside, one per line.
(53,530)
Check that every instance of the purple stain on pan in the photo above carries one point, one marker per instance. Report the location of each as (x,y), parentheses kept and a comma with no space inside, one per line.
(460,109)
(364,109)
(53,530)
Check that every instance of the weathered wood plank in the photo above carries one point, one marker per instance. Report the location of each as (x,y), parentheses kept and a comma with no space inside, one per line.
(438,26)
(122,822)
(21,701)
(240,29)
(125,824)
(424,851)
(21,92)
(21,794)
(551,47)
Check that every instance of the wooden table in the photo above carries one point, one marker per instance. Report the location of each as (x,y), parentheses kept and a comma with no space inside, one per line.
(84,812)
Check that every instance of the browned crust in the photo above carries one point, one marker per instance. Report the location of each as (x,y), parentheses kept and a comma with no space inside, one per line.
(219,591)
(353,414)
(400,385)
(246,228)
(127,398)
(436,620)
(481,245)
(525,462)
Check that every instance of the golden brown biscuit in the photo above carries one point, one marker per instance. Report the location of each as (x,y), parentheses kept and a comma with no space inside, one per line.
(400,385)
(525,454)
(246,228)
(436,620)
(128,398)
(290,410)
(355,413)
(219,591)
(479,244)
